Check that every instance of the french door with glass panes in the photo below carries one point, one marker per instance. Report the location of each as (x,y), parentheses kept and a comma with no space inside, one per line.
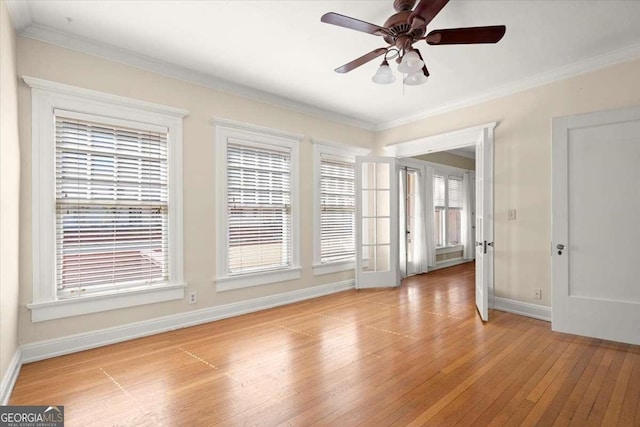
(376,222)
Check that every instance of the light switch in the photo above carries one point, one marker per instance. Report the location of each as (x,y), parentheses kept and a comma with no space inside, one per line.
(512,214)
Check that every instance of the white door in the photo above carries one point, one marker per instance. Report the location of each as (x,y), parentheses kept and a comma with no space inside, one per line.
(376,222)
(595,230)
(484,222)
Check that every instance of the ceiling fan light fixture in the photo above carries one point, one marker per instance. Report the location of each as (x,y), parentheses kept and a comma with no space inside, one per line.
(384,75)
(415,79)
(405,28)
(410,63)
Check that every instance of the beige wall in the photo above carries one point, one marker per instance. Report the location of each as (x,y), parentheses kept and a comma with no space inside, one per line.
(9,191)
(523,164)
(42,60)
(445,158)
(522,171)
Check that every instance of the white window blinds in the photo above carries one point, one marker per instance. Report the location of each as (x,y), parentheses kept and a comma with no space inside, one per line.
(337,216)
(111,205)
(258,208)
(438,191)
(455,192)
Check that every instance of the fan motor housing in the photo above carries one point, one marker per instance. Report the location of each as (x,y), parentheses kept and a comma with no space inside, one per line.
(398,26)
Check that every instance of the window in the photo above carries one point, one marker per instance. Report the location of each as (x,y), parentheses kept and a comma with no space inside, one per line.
(454,214)
(258,208)
(440,205)
(107,214)
(447,201)
(111,205)
(334,206)
(257,224)
(337,212)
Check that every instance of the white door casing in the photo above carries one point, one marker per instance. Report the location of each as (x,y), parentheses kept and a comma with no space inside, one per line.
(376,222)
(595,232)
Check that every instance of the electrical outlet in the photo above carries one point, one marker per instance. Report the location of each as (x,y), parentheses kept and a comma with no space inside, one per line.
(537,294)
(193,297)
(512,214)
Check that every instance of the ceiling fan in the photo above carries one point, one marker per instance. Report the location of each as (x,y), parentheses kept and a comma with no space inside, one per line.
(402,30)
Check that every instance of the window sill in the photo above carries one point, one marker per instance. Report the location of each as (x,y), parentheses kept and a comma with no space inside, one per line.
(333,267)
(58,309)
(256,279)
(449,249)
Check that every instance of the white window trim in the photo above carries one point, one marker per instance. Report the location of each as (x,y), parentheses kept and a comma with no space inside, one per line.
(345,152)
(45,97)
(228,129)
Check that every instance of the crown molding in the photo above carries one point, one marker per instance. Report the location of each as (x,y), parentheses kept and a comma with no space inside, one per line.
(127,57)
(22,21)
(20,13)
(584,66)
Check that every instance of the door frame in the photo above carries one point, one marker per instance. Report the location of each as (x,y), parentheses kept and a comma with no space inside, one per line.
(473,135)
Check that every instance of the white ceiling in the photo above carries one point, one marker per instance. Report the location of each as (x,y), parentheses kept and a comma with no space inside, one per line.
(282,48)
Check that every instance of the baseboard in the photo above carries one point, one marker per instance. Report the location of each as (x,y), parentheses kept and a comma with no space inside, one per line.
(536,311)
(449,263)
(85,341)
(10,376)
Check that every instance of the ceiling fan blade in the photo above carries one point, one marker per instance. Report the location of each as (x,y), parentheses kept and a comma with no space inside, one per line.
(471,35)
(427,10)
(354,24)
(360,61)
(424,67)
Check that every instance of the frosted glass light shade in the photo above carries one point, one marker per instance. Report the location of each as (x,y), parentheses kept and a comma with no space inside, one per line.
(383,76)
(411,63)
(415,79)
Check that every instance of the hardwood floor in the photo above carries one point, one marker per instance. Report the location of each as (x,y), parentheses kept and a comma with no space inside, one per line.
(418,355)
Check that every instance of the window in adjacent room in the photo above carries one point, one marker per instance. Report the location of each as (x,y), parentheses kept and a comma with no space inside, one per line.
(454,211)
(447,201)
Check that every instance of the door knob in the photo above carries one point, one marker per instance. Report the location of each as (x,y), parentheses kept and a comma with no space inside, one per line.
(560,248)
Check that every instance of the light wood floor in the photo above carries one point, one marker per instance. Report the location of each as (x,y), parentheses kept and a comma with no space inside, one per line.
(418,355)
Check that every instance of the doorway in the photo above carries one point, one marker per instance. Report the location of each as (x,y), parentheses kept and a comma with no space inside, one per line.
(481,137)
